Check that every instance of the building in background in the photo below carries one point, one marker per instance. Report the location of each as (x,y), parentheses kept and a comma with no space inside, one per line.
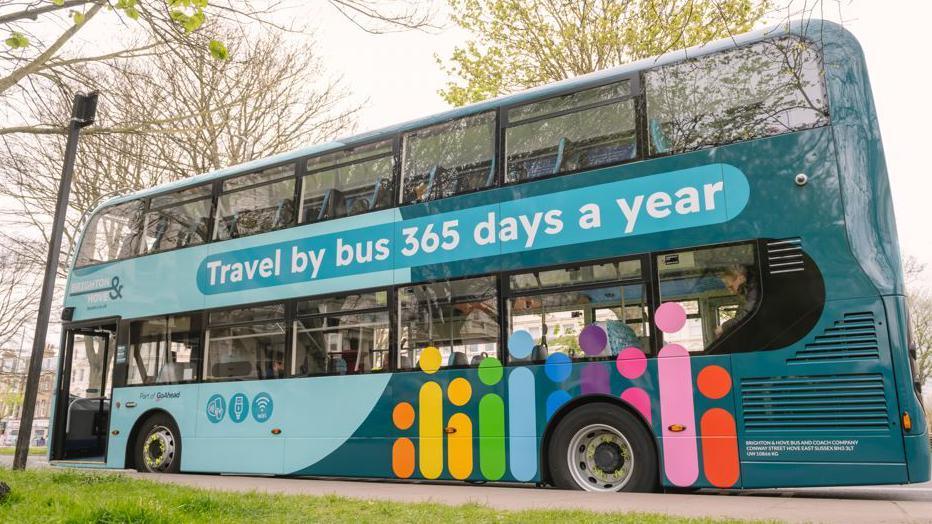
(14,364)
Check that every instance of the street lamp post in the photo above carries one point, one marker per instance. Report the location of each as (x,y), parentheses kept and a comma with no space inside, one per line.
(82,115)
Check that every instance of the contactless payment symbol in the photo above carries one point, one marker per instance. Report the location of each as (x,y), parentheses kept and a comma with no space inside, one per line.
(239,407)
(216,408)
(262,407)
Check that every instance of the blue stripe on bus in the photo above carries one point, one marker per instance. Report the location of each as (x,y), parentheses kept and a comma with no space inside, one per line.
(522,424)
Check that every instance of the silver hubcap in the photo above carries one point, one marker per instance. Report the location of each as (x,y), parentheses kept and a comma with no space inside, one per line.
(158,450)
(600,458)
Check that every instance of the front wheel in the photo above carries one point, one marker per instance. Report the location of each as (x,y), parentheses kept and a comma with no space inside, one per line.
(602,447)
(158,446)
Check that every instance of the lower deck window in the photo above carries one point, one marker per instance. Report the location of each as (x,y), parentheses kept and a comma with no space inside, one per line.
(246,350)
(556,306)
(459,318)
(164,350)
(342,335)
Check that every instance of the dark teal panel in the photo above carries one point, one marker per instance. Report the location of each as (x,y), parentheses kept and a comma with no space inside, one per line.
(917,457)
(806,474)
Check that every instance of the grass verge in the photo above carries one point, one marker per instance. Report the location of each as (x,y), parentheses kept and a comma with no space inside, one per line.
(32,451)
(41,496)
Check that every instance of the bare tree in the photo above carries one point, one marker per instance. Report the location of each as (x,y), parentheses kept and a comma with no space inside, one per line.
(43,39)
(18,292)
(920,316)
(180,114)
(178,119)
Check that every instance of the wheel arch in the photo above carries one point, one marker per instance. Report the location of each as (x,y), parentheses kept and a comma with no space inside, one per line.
(130,451)
(576,403)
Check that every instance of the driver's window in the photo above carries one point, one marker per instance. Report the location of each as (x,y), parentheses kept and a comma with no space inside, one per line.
(718,289)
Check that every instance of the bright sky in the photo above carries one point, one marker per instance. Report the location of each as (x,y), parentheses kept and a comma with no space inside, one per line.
(398,78)
(398,75)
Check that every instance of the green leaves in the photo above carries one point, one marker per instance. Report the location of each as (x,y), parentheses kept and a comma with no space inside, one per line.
(518,44)
(78,17)
(128,7)
(17,40)
(190,22)
(58,2)
(218,50)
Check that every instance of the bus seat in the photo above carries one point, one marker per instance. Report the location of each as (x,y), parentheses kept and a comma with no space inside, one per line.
(379,193)
(189,232)
(359,205)
(620,336)
(338,365)
(539,352)
(334,205)
(458,358)
(171,372)
(432,179)
(657,137)
(160,228)
(282,213)
(241,368)
(563,152)
(230,223)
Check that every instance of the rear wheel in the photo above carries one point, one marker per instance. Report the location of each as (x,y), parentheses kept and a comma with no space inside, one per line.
(602,447)
(158,446)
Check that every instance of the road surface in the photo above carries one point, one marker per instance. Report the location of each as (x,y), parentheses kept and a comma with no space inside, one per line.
(869,504)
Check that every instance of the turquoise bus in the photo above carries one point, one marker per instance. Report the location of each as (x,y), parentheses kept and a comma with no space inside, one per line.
(678,273)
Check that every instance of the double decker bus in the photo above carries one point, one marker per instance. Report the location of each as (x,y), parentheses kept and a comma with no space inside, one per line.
(679,273)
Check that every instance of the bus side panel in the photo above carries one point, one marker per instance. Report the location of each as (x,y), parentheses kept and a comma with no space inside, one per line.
(807,474)
(228,437)
(179,401)
(915,440)
(828,401)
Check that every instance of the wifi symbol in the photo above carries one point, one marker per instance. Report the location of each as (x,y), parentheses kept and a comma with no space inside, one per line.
(262,407)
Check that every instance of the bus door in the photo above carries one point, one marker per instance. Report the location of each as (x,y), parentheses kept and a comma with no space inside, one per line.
(82,407)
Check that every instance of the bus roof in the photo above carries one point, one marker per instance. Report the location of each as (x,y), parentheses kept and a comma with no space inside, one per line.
(800,27)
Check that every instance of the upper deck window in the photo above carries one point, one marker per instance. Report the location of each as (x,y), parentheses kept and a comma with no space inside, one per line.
(255,203)
(567,133)
(448,159)
(112,234)
(347,183)
(176,220)
(768,88)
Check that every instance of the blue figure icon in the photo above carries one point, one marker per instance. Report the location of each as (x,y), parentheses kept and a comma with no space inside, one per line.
(262,407)
(239,407)
(216,408)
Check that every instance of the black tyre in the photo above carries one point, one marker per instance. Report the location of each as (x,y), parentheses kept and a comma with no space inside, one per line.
(602,447)
(158,445)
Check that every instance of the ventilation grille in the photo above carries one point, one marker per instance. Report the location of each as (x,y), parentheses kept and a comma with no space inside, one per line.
(855,336)
(785,256)
(826,402)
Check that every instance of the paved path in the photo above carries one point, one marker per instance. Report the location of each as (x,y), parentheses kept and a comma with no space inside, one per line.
(842,505)
(872,504)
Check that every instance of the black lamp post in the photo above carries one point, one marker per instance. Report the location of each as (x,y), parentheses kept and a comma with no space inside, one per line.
(82,115)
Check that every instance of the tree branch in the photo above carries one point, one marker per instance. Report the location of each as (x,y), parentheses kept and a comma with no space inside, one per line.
(39,61)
